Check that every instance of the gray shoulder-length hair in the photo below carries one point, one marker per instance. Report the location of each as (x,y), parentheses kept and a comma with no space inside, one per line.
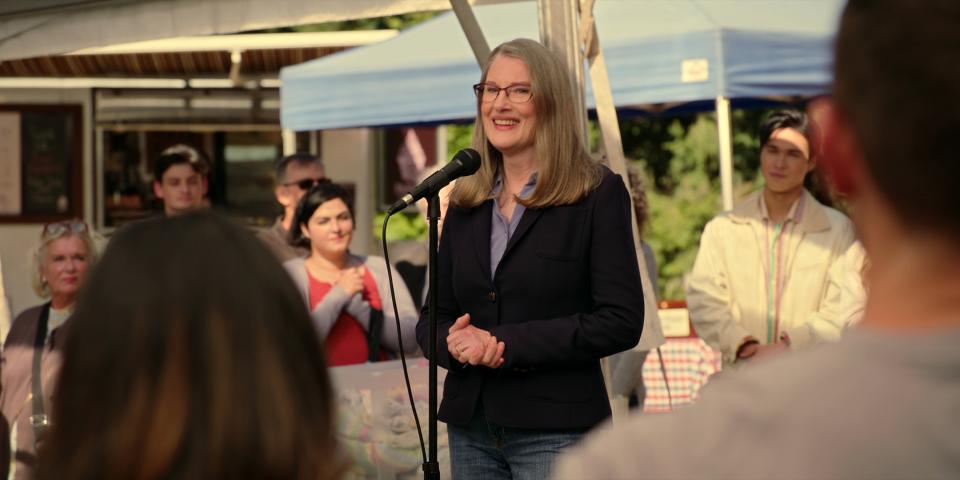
(39,253)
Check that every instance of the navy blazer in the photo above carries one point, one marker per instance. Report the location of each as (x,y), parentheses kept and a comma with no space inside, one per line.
(566,293)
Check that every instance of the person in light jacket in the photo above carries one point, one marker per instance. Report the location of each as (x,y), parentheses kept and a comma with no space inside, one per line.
(761,274)
(881,402)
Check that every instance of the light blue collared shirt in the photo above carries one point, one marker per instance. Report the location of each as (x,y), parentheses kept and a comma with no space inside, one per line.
(502,228)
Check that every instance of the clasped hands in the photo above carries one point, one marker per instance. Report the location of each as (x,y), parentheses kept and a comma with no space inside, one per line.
(351,280)
(754,350)
(474,346)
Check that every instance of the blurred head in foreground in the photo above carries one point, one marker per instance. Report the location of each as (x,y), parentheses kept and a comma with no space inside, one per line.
(195,358)
(891,126)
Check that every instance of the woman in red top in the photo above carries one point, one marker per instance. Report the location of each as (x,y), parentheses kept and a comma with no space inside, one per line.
(348,295)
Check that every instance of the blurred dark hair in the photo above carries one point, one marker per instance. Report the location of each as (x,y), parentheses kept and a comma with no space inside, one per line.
(898,81)
(794,119)
(191,355)
(179,154)
(318,195)
(302,158)
(814,181)
(638,193)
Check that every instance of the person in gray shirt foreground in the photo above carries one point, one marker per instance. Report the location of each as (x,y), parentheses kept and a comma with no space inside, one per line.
(884,401)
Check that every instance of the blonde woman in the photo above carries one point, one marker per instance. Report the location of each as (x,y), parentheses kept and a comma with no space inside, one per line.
(60,263)
(538,276)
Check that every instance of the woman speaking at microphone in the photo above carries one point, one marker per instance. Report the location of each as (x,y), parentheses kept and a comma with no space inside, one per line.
(538,276)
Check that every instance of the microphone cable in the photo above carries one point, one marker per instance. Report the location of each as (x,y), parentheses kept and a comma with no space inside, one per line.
(396,317)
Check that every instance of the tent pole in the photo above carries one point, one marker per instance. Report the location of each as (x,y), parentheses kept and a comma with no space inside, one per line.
(471,29)
(560,32)
(289,139)
(724,131)
(612,144)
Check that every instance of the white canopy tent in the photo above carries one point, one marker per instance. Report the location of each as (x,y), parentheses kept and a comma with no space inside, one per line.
(32,28)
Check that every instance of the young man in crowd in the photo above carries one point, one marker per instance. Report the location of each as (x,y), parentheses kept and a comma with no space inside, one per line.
(760,280)
(180,180)
(883,401)
(294,175)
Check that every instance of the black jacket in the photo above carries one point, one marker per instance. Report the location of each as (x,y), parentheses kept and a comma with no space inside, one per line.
(566,293)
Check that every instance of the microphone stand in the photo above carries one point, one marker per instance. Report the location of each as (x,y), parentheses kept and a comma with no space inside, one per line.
(431,469)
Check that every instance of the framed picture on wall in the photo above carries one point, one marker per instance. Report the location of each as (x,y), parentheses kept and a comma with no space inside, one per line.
(403,153)
(40,163)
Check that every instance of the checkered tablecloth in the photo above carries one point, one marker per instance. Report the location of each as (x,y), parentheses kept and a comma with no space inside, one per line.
(689,364)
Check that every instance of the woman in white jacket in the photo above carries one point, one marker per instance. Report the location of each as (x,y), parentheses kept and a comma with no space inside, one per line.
(760,279)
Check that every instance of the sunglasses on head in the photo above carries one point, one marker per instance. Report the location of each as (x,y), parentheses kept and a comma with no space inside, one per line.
(56,229)
(307,183)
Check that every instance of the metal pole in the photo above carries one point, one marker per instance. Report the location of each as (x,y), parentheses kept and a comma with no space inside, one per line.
(726,151)
(468,22)
(481,50)
(613,146)
(560,32)
(289,139)
(431,469)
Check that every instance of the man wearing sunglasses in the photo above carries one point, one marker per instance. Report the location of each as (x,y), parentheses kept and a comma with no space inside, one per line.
(294,174)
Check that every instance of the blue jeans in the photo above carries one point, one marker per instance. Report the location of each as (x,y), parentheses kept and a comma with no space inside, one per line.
(484,450)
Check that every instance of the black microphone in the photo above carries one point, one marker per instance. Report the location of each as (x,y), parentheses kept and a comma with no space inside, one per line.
(465,162)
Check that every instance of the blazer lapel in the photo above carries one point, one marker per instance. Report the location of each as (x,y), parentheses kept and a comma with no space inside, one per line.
(526,221)
(481,235)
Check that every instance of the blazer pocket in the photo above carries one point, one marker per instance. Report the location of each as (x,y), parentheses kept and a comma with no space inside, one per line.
(451,386)
(565,386)
(561,234)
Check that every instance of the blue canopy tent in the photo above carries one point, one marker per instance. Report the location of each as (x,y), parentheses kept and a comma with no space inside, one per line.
(659,53)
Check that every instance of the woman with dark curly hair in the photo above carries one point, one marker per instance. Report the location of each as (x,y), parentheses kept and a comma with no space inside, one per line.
(348,295)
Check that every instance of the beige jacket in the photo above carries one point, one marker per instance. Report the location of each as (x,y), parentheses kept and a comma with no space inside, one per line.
(727,293)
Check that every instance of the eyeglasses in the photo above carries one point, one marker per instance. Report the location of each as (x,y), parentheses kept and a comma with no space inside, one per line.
(307,183)
(57,229)
(488,92)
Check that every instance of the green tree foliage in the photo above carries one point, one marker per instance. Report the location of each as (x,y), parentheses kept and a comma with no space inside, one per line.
(678,158)
(402,226)
(459,137)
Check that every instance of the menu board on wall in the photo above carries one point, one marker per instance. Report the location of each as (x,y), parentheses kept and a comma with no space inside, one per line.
(40,159)
(46,144)
(10,163)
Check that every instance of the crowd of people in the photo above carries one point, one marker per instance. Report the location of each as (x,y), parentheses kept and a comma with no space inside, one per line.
(195,348)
